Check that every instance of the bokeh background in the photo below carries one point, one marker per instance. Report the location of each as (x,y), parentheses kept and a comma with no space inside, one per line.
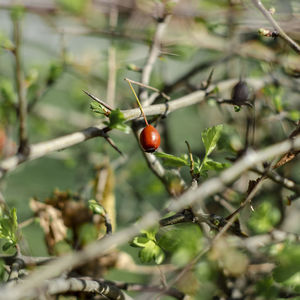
(67,47)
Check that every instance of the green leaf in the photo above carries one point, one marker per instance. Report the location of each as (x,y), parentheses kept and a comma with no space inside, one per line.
(14,219)
(159,256)
(55,71)
(214,165)
(9,226)
(170,160)
(139,241)
(96,208)
(147,253)
(151,251)
(98,108)
(5,227)
(237,108)
(7,245)
(210,138)
(116,121)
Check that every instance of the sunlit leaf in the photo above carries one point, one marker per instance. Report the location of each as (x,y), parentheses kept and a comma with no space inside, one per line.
(150,250)
(95,207)
(170,160)
(210,138)
(214,165)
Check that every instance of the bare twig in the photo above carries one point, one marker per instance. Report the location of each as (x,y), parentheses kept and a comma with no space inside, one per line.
(153,55)
(112,143)
(149,87)
(276,26)
(26,222)
(285,182)
(110,108)
(85,285)
(41,149)
(21,89)
(25,261)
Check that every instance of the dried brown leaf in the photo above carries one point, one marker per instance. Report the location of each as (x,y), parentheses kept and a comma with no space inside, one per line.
(51,222)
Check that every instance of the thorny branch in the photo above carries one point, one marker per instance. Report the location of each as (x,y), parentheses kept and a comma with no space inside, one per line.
(43,148)
(276,26)
(21,89)
(153,55)
(29,287)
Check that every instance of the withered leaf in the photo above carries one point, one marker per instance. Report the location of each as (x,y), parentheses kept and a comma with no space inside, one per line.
(51,222)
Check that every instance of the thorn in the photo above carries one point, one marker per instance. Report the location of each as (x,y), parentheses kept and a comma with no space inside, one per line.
(99,101)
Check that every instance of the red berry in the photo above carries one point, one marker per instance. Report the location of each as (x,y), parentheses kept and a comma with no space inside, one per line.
(150,139)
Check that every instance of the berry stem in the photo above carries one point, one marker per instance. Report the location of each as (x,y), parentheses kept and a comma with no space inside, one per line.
(138,101)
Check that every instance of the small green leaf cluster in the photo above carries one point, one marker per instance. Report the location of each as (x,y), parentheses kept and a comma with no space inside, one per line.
(210,138)
(99,109)
(117,121)
(149,248)
(8,228)
(116,117)
(96,208)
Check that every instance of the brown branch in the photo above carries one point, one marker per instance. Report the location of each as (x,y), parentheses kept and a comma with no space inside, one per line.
(149,87)
(276,26)
(71,285)
(285,182)
(21,89)
(43,148)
